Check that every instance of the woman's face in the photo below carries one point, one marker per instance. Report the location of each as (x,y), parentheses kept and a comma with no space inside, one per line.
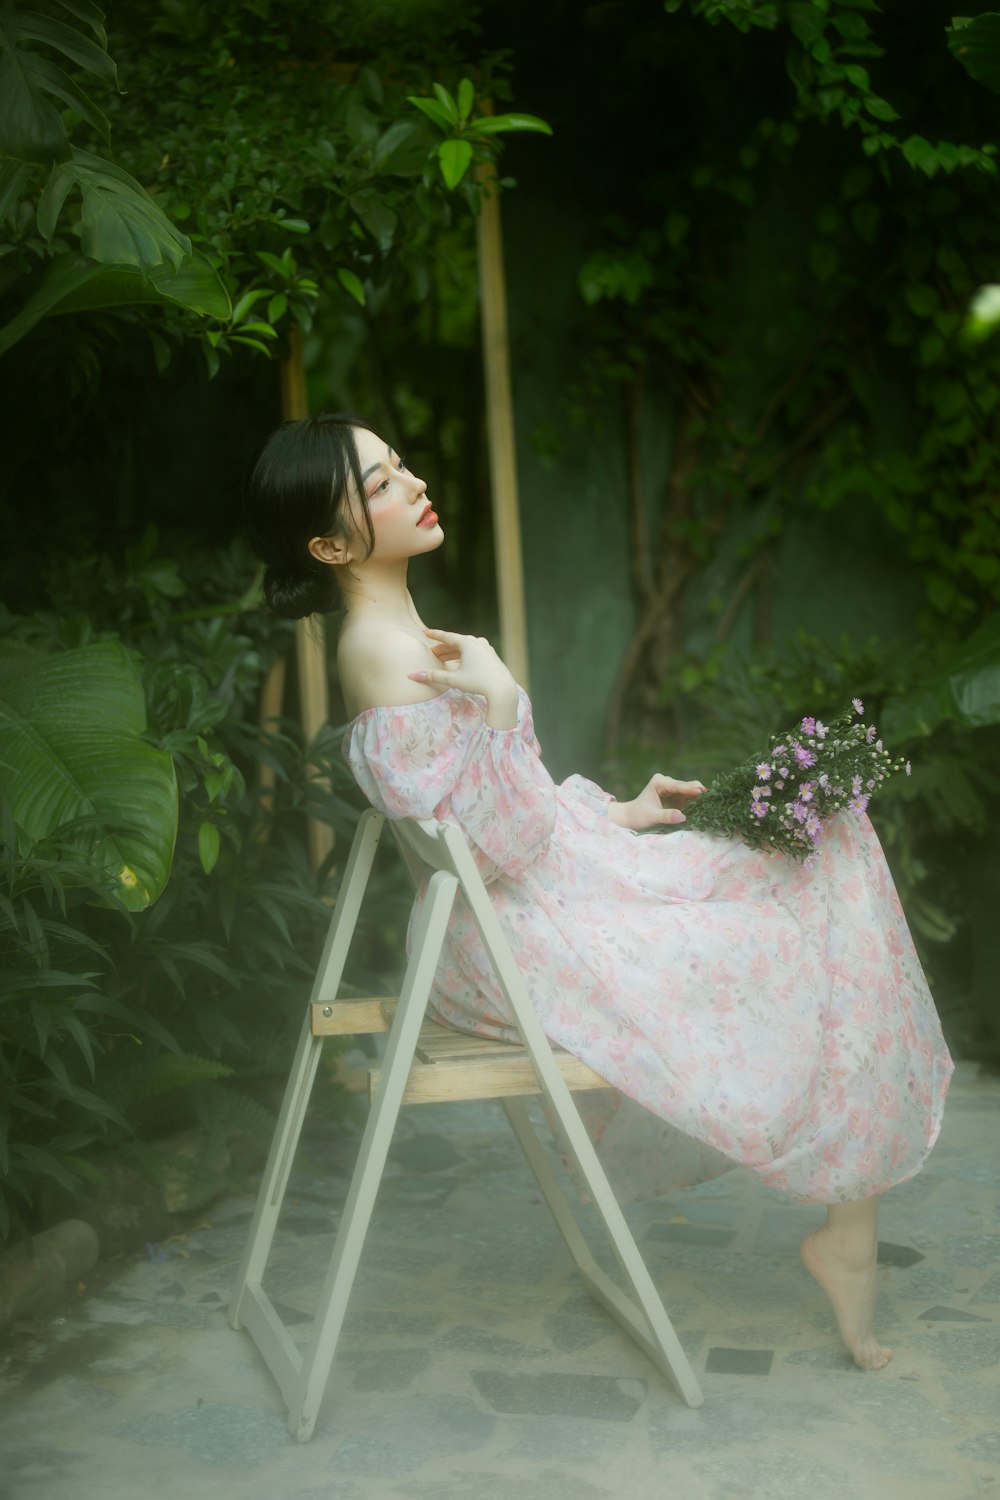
(403,520)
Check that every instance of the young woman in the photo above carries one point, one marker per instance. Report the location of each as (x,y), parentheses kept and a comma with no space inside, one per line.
(776,1014)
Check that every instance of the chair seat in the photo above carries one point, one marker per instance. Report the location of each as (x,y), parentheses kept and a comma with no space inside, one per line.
(449,1064)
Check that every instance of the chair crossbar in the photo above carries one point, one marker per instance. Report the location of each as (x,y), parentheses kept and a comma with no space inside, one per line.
(425,1062)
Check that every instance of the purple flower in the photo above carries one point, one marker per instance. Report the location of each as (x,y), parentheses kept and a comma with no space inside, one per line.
(803,756)
(763,771)
(857,705)
(799,811)
(808,726)
(858,804)
(813,826)
(870,733)
(805,793)
(856,785)
(824,781)
(778,750)
(760,809)
(821,730)
(779,785)
(759,792)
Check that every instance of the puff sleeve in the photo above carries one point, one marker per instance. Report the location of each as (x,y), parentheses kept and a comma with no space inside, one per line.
(439,759)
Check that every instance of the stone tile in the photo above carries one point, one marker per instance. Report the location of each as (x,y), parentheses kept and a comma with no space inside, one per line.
(984,1447)
(691,1234)
(478,1341)
(601,1398)
(426,1153)
(165,1314)
(989,1291)
(831,1356)
(548,1485)
(950,1315)
(421,1428)
(960,1349)
(387,1369)
(923,1284)
(725,1361)
(901,1256)
(236,1437)
(733,1420)
(568,1440)
(971,1250)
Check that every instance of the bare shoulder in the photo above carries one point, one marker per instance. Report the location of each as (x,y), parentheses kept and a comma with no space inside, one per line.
(373,663)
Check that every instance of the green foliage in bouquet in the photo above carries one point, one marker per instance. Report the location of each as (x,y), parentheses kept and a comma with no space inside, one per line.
(782,800)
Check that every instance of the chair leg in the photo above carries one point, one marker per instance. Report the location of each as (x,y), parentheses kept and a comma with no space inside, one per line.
(303,1073)
(318,1355)
(648,1325)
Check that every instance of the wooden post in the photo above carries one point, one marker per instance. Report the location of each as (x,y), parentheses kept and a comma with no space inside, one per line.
(500,430)
(310,634)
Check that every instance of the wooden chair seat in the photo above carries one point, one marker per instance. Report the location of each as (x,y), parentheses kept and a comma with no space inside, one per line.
(449,1064)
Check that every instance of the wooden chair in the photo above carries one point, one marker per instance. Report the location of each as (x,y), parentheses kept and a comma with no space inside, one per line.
(425,1062)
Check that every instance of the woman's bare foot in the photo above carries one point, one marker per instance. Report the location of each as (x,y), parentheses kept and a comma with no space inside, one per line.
(849,1279)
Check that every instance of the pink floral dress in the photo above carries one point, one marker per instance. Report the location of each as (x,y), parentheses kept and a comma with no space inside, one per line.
(745,1007)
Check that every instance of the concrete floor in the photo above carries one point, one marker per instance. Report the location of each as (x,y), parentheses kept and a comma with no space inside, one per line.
(473,1366)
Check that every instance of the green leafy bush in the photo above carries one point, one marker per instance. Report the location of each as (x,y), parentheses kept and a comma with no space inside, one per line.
(120,1027)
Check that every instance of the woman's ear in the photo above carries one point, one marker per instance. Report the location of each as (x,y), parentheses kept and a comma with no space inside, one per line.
(330,549)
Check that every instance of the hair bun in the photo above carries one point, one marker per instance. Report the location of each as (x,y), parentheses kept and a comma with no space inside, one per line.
(296,595)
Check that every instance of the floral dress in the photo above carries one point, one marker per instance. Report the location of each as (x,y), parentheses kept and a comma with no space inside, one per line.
(745,1008)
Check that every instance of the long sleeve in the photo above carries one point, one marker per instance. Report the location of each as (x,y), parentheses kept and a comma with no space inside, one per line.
(439,759)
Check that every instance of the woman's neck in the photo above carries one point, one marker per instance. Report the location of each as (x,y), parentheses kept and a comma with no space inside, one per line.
(380,592)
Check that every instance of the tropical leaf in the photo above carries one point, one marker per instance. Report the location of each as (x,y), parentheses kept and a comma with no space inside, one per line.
(71,747)
(31,128)
(975,42)
(454,157)
(965,691)
(119,222)
(72,284)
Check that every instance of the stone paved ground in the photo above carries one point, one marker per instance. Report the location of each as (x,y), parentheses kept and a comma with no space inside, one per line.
(473,1366)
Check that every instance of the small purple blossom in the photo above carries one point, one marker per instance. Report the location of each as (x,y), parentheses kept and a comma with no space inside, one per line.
(824,780)
(856,785)
(813,825)
(805,793)
(778,750)
(858,804)
(808,726)
(760,792)
(870,733)
(857,705)
(803,756)
(760,809)
(799,811)
(763,771)
(779,785)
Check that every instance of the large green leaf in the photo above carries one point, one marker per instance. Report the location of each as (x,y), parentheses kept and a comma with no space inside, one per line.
(71,747)
(966,690)
(120,223)
(73,284)
(975,41)
(31,128)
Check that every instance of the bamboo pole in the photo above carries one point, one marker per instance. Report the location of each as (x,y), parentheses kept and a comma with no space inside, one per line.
(310,635)
(500,430)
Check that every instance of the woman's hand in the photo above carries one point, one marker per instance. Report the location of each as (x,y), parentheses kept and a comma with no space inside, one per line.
(647,810)
(469,662)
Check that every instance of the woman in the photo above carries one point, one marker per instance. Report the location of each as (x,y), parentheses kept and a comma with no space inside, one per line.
(775,1013)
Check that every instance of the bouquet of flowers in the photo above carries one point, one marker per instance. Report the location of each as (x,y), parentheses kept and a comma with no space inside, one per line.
(780,801)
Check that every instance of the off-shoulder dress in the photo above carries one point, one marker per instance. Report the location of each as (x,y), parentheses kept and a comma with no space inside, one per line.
(746,1008)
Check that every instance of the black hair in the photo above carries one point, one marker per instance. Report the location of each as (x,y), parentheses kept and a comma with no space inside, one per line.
(297,488)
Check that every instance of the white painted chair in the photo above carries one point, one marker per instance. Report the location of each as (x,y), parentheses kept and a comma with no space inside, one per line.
(425,1062)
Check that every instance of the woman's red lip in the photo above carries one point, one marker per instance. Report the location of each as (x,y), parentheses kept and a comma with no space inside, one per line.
(429,518)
